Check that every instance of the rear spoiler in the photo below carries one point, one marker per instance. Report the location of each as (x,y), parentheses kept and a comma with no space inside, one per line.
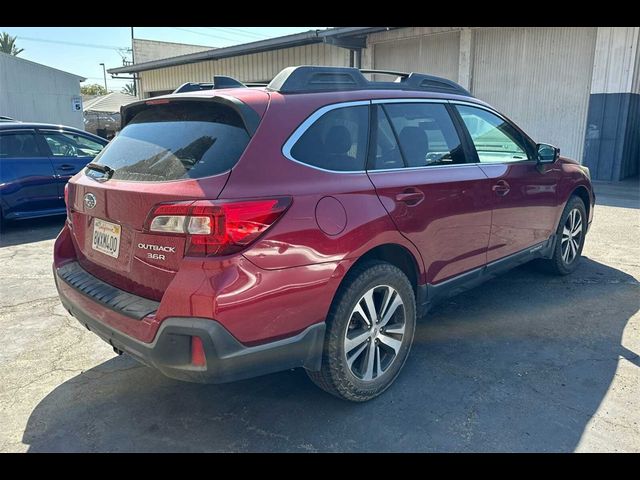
(249,116)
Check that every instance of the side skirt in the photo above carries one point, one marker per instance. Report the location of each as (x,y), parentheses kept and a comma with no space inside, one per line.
(432,294)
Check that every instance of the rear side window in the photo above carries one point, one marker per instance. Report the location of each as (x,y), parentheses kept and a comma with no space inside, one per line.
(336,141)
(426,134)
(175,141)
(17,145)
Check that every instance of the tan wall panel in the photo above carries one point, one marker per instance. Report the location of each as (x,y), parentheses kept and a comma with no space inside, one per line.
(249,68)
(435,54)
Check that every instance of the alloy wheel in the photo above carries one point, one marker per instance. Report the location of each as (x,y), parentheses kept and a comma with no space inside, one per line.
(571,236)
(375,332)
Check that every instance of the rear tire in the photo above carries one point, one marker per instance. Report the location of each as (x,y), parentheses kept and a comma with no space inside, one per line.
(364,351)
(570,236)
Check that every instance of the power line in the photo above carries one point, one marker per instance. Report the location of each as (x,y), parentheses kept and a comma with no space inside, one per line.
(239,31)
(75,44)
(206,34)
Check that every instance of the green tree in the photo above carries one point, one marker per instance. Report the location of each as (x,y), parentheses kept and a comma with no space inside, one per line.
(129,88)
(93,89)
(8,44)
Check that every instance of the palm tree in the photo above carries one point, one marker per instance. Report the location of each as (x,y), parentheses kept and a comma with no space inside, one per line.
(8,44)
(129,88)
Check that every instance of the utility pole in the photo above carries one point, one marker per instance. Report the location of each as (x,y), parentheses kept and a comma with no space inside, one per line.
(104,72)
(133,60)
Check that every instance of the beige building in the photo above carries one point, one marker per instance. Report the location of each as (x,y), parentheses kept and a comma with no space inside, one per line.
(577,88)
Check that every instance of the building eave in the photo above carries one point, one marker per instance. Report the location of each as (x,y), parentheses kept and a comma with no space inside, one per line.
(287,41)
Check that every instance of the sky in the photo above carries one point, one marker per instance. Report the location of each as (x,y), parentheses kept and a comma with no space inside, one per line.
(80,50)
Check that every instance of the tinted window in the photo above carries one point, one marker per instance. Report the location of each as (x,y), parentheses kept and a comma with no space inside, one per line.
(426,134)
(495,140)
(175,141)
(15,145)
(336,141)
(71,145)
(386,153)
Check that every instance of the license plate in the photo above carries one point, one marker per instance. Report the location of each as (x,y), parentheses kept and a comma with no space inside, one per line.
(106,237)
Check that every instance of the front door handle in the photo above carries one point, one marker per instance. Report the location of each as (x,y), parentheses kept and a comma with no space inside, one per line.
(411,196)
(501,188)
(66,167)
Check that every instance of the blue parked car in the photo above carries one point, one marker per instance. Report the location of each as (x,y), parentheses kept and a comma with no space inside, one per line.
(36,161)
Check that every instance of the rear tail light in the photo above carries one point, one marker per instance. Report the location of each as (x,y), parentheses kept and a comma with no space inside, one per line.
(217,227)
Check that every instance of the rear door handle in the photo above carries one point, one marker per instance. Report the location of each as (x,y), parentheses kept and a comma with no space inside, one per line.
(501,188)
(411,196)
(66,167)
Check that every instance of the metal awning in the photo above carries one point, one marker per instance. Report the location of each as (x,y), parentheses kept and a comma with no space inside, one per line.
(347,37)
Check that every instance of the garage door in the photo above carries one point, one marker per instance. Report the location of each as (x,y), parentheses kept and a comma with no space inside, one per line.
(540,78)
(435,54)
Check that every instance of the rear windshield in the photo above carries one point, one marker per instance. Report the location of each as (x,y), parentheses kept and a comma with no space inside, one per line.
(176,141)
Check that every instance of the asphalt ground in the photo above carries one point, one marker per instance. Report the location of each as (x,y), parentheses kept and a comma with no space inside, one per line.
(525,362)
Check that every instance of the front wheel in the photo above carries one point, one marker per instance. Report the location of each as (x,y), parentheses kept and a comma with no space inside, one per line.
(370,329)
(570,237)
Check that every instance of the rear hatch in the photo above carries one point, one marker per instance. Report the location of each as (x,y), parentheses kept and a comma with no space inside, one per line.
(170,150)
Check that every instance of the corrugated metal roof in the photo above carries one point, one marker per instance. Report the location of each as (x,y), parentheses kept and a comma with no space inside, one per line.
(296,39)
(110,102)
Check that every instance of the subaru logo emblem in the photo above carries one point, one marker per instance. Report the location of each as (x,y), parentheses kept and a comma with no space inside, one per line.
(90,200)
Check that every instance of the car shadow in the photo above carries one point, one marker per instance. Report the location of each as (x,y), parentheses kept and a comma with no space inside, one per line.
(520,363)
(29,231)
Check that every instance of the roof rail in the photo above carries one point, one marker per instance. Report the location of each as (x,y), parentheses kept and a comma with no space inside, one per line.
(308,78)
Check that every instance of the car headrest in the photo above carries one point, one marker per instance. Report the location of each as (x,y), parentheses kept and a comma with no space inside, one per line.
(415,145)
(338,140)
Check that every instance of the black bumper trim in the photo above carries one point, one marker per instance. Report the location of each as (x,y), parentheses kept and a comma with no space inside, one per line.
(227,359)
(112,297)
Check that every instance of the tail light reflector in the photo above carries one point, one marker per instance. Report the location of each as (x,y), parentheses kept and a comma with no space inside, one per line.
(198,357)
(66,202)
(217,227)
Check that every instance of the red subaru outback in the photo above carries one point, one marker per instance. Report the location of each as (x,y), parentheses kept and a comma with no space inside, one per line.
(230,233)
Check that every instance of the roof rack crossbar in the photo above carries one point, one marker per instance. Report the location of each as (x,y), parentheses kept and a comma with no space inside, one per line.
(309,78)
(386,72)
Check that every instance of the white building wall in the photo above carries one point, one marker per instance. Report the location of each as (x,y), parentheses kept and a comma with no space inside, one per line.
(433,53)
(31,92)
(540,78)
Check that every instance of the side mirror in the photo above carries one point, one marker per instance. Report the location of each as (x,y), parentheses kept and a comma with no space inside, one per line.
(547,153)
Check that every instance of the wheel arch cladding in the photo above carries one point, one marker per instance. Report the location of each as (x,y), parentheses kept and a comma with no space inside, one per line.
(581,192)
(396,255)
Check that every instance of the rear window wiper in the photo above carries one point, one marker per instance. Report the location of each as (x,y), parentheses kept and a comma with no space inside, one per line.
(108,171)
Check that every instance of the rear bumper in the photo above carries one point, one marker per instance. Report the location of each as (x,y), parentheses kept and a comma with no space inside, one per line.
(226,358)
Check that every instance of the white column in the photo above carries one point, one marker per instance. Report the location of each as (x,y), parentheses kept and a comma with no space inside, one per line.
(465,59)
(615,63)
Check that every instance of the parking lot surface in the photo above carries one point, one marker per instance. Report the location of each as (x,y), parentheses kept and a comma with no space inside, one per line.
(525,362)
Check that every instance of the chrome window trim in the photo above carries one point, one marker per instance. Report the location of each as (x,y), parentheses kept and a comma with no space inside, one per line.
(311,119)
(409,100)
(478,105)
(426,167)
